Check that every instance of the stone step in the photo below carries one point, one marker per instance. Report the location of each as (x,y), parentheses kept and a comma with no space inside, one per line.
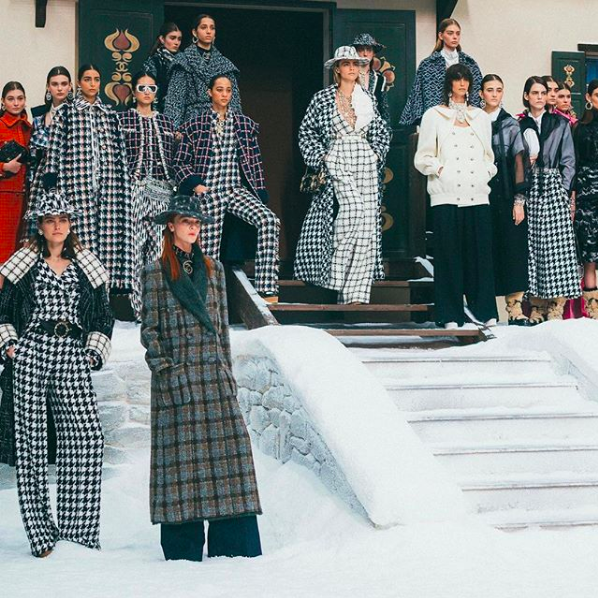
(517,519)
(528,458)
(507,425)
(423,397)
(531,493)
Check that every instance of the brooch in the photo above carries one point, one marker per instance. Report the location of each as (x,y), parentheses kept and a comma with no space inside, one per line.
(188,266)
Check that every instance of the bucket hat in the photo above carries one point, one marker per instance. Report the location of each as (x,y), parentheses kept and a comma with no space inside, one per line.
(365,39)
(345,53)
(183,205)
(51,203)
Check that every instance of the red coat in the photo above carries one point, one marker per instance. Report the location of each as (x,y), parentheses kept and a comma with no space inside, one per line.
(12,187)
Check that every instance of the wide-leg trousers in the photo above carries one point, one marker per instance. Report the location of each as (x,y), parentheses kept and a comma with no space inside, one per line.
(57,368)
(236,536)
(242,204)
(463,263)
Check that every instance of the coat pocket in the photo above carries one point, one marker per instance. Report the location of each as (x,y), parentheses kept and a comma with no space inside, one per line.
(174,386)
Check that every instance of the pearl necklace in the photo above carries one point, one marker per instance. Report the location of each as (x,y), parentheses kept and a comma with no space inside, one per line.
(346,109)
(460,109)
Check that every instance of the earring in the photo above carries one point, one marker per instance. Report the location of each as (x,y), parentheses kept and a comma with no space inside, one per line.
(195,40)
(40,232)
(70,95)
(482,103)
(48,96)
(588,105)
(501,105)
(467,97)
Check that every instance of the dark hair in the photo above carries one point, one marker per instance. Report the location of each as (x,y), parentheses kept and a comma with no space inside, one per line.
(87,67)
(530,82)
(168,27)
(39,243)
(199,18)
(457,72)
(549,79)
(11,86)
(590,113)
(216,77)
(140,75)
(442,27)
(491,77)
(562,85)
(55,72)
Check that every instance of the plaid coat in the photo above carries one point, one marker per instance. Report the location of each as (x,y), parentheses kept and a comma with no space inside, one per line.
(201,461)
(106,222)
(315,247)
(194,153)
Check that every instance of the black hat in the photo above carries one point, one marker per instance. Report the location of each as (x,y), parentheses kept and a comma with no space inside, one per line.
(365,39)
(183,205)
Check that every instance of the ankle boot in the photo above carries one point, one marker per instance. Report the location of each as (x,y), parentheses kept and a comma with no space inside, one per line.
(556,307)
(538,312)
(516,315)
(591,299)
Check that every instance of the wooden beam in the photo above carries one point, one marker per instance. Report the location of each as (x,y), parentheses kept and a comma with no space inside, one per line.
(444,9)
(40,13)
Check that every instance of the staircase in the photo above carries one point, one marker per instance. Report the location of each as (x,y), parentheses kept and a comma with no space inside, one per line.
(515,432)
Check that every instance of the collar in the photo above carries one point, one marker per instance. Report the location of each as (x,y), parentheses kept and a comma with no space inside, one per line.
(494,115)
(10,120)
(472,112)
(82,104)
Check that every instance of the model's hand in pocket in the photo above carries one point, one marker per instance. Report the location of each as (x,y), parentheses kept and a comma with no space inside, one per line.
(10,352)
(518,214)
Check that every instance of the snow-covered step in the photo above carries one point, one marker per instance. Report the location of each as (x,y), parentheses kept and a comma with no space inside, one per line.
(424,366)
(516,519)
(481,425)
(427,396)
(532,493)
(536,459)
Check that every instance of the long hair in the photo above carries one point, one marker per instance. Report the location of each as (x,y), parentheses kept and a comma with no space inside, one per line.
(55,72)
(169,258)
(442,27)
(39,243)
(590,114)
(11,86)
(529,83)
(456,72)
(168,27)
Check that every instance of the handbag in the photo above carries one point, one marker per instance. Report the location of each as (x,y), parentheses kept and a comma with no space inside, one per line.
(312,180)
(11,149)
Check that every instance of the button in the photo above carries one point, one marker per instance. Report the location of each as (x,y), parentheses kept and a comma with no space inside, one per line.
(458,184)
(472,172)
(457,158)
(458,172)
(471,159)
(471,146)
(458,199)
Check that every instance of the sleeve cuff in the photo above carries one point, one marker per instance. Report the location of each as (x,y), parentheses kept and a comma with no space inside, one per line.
(99,344)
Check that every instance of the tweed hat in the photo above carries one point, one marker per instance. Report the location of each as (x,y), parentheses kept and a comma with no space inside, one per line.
(365,39)
(345,53)
(51,203)
(183,205)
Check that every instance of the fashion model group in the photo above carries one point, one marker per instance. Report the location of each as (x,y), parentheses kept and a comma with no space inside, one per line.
(97,203)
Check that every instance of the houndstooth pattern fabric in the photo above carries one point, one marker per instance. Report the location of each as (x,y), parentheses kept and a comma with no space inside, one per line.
(58,369)
(57,296)
(552,254)
(352,165)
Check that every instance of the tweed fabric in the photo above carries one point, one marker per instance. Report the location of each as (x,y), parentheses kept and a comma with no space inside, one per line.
(201,461)
(190,75)
(158,65)
(313,260)
(552,254)
(86,154)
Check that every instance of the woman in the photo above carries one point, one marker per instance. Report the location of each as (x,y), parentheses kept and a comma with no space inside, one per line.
(15,130)
(563,103)
(343,137)
(507,201)
(219,159)
(553,276)
(193,69)
(55,326)
(369,78)
(149,142)
(86,160)
(455,152)
(159,61)
(586,186)
(427,86)
(201,462)
(552,86)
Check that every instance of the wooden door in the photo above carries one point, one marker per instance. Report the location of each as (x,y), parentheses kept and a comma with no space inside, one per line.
(116,35)
(570,67)
(403,219)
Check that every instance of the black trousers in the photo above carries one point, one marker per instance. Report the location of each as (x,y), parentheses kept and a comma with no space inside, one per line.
(237,536)
(463,263)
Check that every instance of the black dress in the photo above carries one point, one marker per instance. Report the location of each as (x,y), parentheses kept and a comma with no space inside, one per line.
(510,249)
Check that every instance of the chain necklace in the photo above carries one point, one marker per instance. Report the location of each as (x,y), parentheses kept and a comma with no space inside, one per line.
(461,110)
(346,109)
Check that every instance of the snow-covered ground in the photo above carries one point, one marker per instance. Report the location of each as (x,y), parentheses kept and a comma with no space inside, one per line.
(314,545)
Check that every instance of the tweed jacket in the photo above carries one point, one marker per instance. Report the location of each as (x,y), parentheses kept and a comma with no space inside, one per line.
(190,75)
(195,152)
(158,65)
(314,251)
(17,303)
(106,225)
(201,459)
(426,91)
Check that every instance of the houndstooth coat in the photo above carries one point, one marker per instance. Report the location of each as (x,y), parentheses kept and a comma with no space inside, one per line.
(315,247)
(105,225)
(201,462)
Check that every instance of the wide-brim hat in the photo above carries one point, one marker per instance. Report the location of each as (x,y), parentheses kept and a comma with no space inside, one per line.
(183,205)
(345,53)
(365,39)
(51,203)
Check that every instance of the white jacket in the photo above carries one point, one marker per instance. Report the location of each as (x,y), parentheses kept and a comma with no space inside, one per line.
(465,173)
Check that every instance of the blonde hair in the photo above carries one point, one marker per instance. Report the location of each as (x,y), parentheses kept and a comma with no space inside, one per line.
(442,27)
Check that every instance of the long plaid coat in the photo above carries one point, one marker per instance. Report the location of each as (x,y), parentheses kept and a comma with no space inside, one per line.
(106,222)
(201,461)
(315,247)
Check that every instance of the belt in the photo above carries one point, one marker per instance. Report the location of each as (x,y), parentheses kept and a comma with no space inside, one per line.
(59,328)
